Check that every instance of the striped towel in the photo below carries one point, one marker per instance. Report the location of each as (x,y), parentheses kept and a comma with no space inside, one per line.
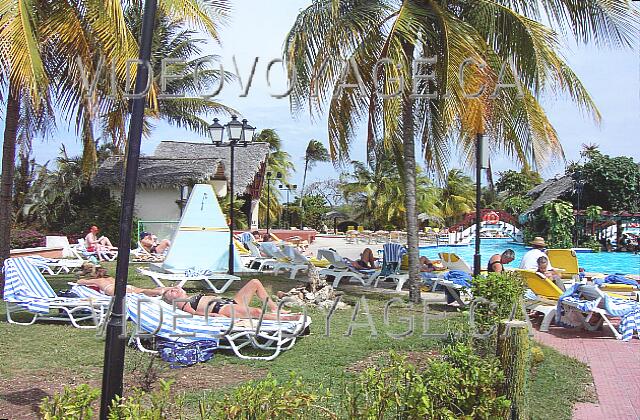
(26,286)
(630,323)
(246,237)
(393,252)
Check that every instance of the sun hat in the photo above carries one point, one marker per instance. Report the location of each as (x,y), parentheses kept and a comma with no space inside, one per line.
(538,240)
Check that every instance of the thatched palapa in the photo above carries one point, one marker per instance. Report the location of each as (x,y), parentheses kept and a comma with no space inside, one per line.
(177,163)
(551,189)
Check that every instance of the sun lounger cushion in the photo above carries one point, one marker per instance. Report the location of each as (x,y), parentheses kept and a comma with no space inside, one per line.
(25,286)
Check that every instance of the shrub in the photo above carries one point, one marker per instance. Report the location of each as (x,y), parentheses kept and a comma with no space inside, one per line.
(26,238)
(73,403)
(503,290)
(458,385)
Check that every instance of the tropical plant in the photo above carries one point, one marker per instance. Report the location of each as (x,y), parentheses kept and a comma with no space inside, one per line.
(592,214)
(560,219)
(45,42)
(612,183)
(517,183)
(315,152)
(334,52)
(457,196)
(279,162)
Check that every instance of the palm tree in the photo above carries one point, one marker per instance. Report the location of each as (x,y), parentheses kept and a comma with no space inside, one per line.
(279,161)
(330,38)
(457,196)
(43,40)
(316,152)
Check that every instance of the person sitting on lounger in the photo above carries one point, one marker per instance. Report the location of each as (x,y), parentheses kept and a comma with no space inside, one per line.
(426,265)
(107,285)
(550,273)
(216,306)
(366,262)
(150,243)
(94,243)
(498,261)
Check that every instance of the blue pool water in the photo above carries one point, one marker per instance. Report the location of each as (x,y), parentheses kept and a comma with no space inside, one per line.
(601,262)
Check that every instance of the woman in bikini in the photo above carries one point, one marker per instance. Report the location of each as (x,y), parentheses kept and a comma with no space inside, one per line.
(498,261)
(216,306)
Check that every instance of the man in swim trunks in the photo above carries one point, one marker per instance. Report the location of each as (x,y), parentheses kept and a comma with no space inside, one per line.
(497,261)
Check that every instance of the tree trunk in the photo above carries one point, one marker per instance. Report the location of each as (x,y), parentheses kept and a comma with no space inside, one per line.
(513,352)
(304,181)
(8,167)
(408,142)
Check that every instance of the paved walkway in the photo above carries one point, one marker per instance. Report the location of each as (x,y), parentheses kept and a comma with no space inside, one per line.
(615,366)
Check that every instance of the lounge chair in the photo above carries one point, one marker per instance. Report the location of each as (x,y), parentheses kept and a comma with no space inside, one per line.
(340,269)
(80,251)
(140,254)
(157,317)
(26,290)
(284,262)
(566,260)
(53,266)
(581,300)
(452,261)
(258,261)
(392,254)
(180,279)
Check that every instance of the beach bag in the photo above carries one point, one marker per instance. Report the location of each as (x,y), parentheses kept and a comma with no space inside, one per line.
(180,355)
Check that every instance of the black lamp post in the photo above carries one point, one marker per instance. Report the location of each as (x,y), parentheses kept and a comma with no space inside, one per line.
(269,179)
(114,347)
(479,159)
(238,134)
(288,188)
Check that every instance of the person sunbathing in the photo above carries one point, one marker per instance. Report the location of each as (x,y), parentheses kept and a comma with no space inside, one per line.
(238,305)
(366,262)
(150,243)
(94,243)
(107,285)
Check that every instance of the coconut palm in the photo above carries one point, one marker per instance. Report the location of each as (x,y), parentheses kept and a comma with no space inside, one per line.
(41,42)
(279,161)
(457,196)
(315,152)
(331,38)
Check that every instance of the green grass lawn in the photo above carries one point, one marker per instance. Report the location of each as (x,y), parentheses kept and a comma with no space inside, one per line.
(321,360)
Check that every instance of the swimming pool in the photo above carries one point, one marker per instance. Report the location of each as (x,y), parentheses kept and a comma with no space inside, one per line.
(601,262)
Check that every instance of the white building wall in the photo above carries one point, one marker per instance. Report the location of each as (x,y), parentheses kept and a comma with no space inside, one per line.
(157,204)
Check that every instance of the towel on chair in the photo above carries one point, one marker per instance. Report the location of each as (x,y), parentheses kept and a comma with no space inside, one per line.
(616,279)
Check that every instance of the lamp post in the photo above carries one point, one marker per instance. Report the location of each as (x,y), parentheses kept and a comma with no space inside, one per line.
(288,188)
(238,134)
(269,179)
(114,347)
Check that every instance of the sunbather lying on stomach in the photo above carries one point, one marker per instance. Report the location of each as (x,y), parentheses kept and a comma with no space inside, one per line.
(107,285)
(216,306)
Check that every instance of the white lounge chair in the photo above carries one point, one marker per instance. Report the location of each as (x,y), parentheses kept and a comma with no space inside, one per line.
(452,261)
(258,261)
(53,267)
(26,290)
(341,270)
(284,262)
(157,317)
(180,279)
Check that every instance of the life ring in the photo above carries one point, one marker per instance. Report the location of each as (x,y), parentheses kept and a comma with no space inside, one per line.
(491,217)
(633,225)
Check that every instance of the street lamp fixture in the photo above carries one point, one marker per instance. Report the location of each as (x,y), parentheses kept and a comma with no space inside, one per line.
(238,134)
(278,175)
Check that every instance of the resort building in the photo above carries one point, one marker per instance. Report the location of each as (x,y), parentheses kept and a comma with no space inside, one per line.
(166,177)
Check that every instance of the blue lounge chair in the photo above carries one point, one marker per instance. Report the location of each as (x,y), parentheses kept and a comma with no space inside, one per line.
(26,290)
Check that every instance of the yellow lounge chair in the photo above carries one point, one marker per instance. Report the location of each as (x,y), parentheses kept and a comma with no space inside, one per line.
(566,260)
(452,261)
(548,294)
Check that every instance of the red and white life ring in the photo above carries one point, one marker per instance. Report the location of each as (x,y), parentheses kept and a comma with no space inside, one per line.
(491,217)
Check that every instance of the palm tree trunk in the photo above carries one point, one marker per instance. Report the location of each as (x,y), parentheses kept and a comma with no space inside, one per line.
(410,188)
(8,168)
(304,181)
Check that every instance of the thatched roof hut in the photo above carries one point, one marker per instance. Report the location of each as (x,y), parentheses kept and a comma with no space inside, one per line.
(177,163)
(551,189)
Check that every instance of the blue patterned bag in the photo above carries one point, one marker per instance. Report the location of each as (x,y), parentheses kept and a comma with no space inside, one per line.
(180,355)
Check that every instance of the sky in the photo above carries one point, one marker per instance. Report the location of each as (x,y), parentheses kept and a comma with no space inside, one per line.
(258,29)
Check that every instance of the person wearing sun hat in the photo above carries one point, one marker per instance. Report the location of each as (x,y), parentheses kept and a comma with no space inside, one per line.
(530,259)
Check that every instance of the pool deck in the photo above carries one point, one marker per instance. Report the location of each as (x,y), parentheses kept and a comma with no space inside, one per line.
(615,365)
